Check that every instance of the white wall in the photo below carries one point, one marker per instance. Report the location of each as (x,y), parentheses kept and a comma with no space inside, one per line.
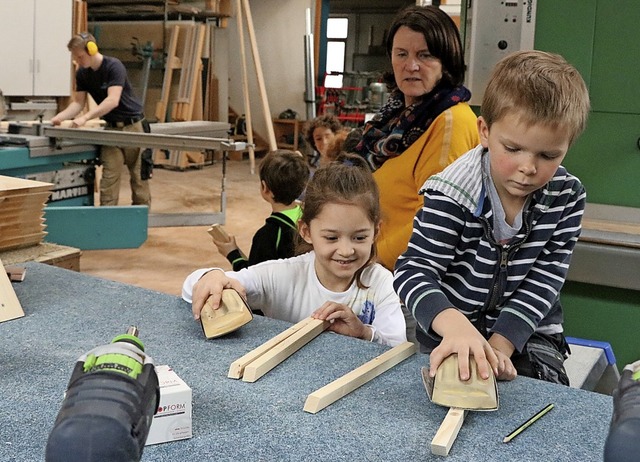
(279,29)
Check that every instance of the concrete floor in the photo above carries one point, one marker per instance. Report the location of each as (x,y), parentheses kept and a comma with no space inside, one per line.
(170,254)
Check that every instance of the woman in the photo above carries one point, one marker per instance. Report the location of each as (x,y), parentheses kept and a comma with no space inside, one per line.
(426,123)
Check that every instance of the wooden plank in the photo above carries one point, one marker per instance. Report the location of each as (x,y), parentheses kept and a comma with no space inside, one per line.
(10,307)
(171,64)
(261,86)
(448,432)
(237,367)
(245,87)
(264,363)
(341,387)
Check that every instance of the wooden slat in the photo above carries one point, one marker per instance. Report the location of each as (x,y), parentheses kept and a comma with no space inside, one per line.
(237,367)
(341,387)
(264,363)
(448,432)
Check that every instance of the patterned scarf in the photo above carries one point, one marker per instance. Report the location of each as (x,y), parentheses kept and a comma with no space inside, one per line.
(397,127)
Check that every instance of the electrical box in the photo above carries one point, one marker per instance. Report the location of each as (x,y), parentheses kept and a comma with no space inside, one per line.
(493,30)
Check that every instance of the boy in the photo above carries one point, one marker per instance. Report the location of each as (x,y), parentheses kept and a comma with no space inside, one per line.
(283,177)
(490,249)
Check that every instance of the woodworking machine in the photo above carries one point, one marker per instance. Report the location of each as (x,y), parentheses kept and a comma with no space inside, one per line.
(66,158)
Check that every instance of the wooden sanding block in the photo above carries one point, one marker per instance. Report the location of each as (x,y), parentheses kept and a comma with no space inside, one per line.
(446,389)
(232,314)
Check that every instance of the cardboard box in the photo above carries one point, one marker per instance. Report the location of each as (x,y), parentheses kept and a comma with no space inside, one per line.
(173,420)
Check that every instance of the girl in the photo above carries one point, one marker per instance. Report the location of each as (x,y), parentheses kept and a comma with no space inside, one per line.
(319,133)
(336,278)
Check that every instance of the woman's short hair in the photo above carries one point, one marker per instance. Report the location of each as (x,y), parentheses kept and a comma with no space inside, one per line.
(440,33)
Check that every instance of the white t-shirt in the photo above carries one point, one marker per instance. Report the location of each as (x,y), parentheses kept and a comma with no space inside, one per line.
(289,290)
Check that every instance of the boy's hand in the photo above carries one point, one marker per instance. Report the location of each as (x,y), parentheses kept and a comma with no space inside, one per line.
(459,336)
(212,284)
(343,320)
(226,247)
(503,349)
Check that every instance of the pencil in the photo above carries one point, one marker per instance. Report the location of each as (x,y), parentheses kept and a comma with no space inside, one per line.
(526,425)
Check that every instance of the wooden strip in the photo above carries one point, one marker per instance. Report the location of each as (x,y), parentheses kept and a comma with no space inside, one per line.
(237,367)
(341,387)
(261,86)
(264,363)
(448,432)
(245,87)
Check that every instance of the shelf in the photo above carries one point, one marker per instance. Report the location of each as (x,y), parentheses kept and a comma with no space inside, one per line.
(153,10)
(287,130)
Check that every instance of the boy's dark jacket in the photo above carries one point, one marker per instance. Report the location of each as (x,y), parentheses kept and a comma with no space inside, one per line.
(273,241)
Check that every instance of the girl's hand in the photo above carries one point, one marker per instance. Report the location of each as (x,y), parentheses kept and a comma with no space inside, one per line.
(459,336)
(211,284)
(343,320)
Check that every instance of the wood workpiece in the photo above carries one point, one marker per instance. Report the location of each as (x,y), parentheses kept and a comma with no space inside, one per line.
(341,387)
(237,367)
(261,360)
(271,358)
(10,307)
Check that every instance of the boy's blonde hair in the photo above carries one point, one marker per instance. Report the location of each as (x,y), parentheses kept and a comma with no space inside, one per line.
(542,88)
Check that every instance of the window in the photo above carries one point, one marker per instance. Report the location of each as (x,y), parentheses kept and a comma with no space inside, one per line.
(337,29)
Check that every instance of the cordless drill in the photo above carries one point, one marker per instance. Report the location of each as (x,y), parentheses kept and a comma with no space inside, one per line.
(109,404)
(622,442)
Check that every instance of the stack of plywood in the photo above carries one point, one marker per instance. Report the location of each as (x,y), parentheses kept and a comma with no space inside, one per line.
(22,212)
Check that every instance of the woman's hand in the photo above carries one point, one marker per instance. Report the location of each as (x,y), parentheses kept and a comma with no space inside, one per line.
(343,320)
(460,337)
(211,284)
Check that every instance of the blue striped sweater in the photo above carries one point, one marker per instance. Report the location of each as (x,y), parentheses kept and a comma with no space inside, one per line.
(453,260)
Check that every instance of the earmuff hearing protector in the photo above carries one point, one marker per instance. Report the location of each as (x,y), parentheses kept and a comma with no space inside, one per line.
(89,44)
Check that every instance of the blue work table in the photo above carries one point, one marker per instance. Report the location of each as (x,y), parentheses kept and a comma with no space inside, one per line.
(387,419)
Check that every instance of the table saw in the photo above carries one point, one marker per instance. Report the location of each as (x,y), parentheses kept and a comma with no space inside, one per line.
(67,158)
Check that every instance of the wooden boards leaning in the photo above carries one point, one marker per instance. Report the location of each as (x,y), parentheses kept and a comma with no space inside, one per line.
(261,360)
(341,387)
(10,307)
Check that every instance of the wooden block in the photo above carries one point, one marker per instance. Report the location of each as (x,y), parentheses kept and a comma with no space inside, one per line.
(232,314)
(341,387)
(10,307)
(217,232)
(264,363)
(237,367)
(448,432)
(15,273)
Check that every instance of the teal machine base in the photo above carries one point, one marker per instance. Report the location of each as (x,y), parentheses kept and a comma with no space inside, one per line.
(94,228)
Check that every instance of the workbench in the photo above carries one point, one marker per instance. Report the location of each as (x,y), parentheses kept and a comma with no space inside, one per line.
(388,419)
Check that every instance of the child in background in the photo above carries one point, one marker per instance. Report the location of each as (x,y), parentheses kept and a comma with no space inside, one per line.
(490,249)
(336,278)
(283,177)
(319,133)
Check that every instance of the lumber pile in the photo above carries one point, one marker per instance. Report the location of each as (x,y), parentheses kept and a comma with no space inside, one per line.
(22,212)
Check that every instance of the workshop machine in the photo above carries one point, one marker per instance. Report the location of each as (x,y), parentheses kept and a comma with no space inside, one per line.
(66,158)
